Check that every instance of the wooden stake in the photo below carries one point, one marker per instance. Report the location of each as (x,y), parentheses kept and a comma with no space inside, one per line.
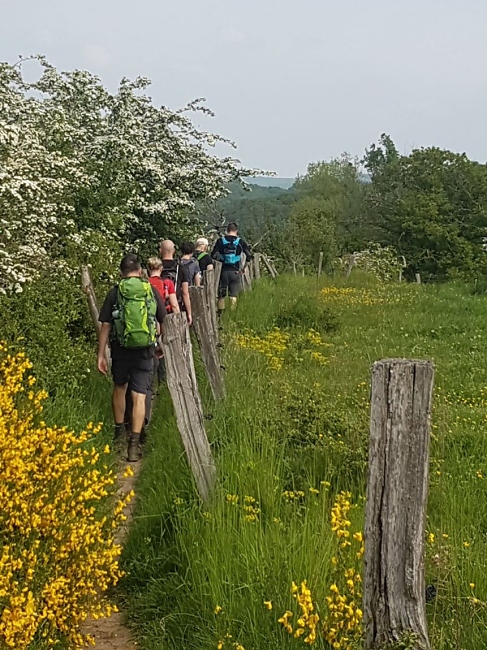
(256,261)
(394,589)
(183,387)
(320,264)
(207,337)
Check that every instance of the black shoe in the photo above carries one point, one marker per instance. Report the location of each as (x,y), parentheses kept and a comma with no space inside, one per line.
(133,448)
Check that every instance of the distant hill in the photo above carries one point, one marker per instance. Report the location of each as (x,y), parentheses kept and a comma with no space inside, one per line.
(271,181)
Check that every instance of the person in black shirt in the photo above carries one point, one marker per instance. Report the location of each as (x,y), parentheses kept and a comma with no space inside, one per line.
(228,249)
(202,256)
(131,367)
(178,273)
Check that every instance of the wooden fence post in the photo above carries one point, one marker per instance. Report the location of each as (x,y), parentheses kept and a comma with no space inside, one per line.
(211,298)
(394,589)
(269,266)
(295,272)
(320,264)
(256,266)
(418,278)
(218,271)
(207,338)
(89,291)
(87,286)
(351,264)
(183,387)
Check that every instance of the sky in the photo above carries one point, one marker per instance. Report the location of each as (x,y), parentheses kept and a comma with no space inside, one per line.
(291,81)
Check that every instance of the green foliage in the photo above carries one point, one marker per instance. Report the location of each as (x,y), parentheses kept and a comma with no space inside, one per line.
(49,319)
(432,207)
(306,312)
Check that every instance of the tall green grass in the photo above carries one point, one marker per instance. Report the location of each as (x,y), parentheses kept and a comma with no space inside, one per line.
(291,429)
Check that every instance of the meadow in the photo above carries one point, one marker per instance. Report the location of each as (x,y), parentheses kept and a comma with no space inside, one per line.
(274,559)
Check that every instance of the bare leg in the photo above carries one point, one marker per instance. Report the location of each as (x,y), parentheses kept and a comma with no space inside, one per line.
(221,304)
(233,302)
(118,403)
(138,412)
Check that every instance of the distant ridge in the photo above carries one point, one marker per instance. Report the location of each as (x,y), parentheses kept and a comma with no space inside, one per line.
(271,181)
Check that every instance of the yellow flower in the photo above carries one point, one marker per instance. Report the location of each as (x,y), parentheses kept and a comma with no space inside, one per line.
(218,609)
(268,604)
(472,585)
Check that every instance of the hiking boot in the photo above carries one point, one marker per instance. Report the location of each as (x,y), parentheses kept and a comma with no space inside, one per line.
(133,448)
(119,435)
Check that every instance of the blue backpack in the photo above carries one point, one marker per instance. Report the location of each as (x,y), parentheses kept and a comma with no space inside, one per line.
(230,251)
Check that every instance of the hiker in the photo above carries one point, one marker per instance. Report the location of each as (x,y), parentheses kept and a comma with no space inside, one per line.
(178,273)
(192,266)
(167,291)
(228,249)
(164,286)
(131,318)
(202,256)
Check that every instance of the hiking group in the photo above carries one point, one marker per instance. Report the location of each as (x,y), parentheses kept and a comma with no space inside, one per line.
(132,321)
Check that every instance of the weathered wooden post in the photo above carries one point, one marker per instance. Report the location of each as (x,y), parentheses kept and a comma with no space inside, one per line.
(87,286)
(295,272)
(211,298)
(217,266)
(351,264)
(256,262)
(207,337)
(89,291)
(183,387)
(320,264)
(418,278)
(394,589)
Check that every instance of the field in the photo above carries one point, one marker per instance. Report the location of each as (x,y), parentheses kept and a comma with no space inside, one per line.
(274,559)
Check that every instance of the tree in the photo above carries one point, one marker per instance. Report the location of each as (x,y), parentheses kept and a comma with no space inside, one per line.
(84,173)
(431,206)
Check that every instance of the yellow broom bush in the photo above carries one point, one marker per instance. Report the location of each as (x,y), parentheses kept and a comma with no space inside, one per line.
(57,521)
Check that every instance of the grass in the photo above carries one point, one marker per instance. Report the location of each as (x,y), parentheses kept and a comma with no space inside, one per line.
(290,429)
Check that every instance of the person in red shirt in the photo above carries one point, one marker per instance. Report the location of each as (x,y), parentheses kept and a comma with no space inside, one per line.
(164,286)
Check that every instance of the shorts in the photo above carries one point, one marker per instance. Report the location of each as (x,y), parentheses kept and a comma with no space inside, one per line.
(230,282)
(132,367)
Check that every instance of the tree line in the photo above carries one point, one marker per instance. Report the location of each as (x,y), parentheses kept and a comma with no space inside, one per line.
(429,207)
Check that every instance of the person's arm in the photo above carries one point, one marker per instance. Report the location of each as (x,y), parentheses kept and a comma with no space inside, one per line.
(103,335)
(173,301)
(246,249)
(186,301)
(197,279)
(217,251)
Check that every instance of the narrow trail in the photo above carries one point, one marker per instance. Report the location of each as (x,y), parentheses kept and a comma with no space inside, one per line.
(112,633)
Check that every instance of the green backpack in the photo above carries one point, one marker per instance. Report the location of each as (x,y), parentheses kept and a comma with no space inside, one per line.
(135,314)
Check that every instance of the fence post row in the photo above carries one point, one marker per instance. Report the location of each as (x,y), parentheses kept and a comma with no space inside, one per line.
(207,337)
(394,589)
(183,387)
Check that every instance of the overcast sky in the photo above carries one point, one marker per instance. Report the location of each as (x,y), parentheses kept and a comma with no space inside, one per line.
(291,81)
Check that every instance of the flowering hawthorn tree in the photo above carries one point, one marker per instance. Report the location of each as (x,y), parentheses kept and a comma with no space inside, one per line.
(84,172)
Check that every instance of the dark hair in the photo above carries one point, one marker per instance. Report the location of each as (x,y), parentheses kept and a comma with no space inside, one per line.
(187,248)
(129,264)
(232,227)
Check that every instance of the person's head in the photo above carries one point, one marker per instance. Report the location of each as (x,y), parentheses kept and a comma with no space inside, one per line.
(154,266)
(167,249)
(232,229)
(130,266)
(187,248)
(201,245)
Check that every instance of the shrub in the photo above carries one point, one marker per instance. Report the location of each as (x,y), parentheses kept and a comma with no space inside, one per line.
(57,551)
(306,312)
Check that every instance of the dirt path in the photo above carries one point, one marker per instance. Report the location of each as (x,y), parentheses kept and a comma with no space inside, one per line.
(112,633)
